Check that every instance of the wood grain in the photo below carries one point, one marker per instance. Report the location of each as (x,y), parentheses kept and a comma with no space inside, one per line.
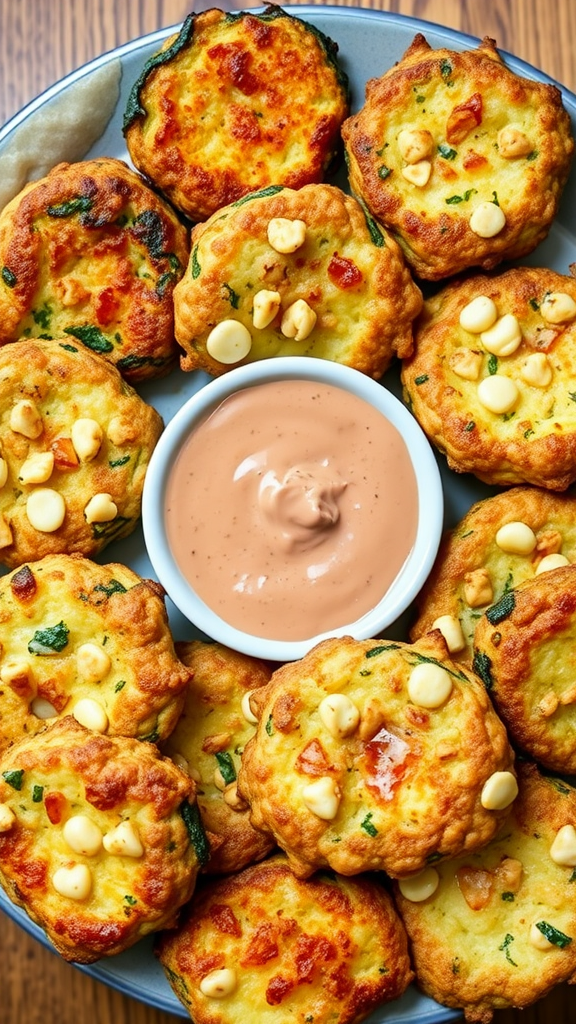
(40,42)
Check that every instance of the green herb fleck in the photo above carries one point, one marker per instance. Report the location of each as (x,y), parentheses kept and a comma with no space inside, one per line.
(110,530)
(502,609)
(367,825)
(482,666)
(37,794)
(195,268)
(374,230)
(493,365)
(573,876)
(446,151)
(51,640)
(114,587)
(560,786)
(495,199)
(504,948)
(68,348)
(532,155)
(554,935)
(42,316)
(121,683)
(151,737)
(534,304)
(79,204)
(381,649)
(380,152)
(232,296)
(269,726)
(226,766)
(421,379)
(193,822)
(469,426)
(384,171)
(454,200)
(130,900)
(9,277)
(134,362)
(433,858)
(572,396)
(365,672)
(91,337)
(509,583)
(508,897)
(115,463)
(14,778)
(445,69)
(456,965)
(420,98)
(383,969)
(420,659)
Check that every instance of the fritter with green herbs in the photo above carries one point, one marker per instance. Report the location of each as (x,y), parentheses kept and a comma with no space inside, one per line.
(90,254)
(99,838)
(235,102)
(462,159)
(75,443)
(88,640)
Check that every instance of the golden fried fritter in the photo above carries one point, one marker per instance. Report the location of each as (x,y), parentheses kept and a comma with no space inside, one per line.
(91,254)
(463,159)
(524,652)
(502,541)
(234,103)
(97,838)
(265,945)
(215,725)
(89,640)
(286,272)
(376,755)
(491,380)
(498,927)
(75,443)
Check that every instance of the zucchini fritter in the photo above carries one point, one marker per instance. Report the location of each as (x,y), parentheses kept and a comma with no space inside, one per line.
(463,160)
(491,380)
(524,651)
(499,929)
(264,945)
(501,541)
(91,254)
(94,841)
(287,273)
(235,102)
(75,443)
(376,755)
(215,724)
(89,640)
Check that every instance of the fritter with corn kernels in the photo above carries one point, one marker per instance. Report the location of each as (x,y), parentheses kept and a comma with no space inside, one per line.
(99,838)
(501,541)
(491,380)
(91,254)
(462,159)
(233,103)
(264,945)
(376,755)
(88,640)
(497,929)
(210,735)
(285,272)
(524,651)
(75,443)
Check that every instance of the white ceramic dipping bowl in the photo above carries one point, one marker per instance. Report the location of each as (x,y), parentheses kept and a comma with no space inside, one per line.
(412,575)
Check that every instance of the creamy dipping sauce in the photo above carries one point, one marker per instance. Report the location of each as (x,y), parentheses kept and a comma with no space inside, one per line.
(292,508)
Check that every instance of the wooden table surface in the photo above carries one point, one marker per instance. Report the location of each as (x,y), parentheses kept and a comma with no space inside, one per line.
(40,42)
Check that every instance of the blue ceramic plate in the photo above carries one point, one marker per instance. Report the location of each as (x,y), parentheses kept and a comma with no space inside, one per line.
(369,43)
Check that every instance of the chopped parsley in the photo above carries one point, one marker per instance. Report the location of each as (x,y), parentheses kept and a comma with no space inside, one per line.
(115,463)
(195,829)
(226,766)
(37,794)
(79,204)
(9,277)
(42,316)
(195,268)
(504,948)
(367,825)
(232,296)
(374,651)
(383,171)
(269,726)
(51,640)
(91,337)
(554,935)
(421,379)
(454,200)
(502,609)
(114,587)
(14,778)
(492,365)
(482,666)
(446,151)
